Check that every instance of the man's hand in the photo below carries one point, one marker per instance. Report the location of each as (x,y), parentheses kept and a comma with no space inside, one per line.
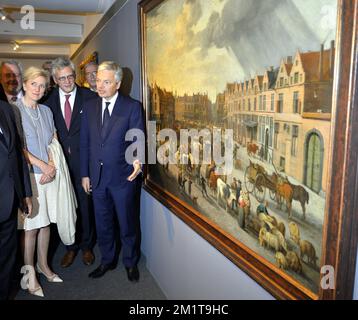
(27,206)
(86,185)
(137,168)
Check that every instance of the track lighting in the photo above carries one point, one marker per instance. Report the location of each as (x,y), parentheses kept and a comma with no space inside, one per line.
(16,46)
(2,15)
(5,16)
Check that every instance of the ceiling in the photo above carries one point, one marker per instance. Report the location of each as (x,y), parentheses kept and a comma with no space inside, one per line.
(58,25)
(98,6)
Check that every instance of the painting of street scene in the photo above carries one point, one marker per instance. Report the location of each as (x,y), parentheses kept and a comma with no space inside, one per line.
(263,70)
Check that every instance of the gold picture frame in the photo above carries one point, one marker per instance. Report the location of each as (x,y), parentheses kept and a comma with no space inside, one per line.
(193,36)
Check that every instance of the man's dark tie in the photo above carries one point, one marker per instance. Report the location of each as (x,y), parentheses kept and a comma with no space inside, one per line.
(106,118)
(13,98)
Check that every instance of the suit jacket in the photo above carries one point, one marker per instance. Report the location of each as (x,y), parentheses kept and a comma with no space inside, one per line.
(70,139)
(14,174)
(3,96)
(108,152)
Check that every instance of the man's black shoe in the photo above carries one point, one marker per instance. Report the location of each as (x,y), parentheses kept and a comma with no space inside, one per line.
(101,270)
(133,274)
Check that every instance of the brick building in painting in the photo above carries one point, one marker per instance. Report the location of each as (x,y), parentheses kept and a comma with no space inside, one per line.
(162,107)
(193,108)
(287,112)
(221,112)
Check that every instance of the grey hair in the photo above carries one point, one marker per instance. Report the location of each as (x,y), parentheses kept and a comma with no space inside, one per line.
(61,63)
(12,62)
(112,66)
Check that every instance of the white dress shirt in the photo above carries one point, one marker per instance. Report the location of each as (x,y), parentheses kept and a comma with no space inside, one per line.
(111,106)
(63,99)
(9,96)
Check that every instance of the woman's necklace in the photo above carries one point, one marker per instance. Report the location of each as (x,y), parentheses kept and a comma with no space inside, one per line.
(38,128)
(27,109)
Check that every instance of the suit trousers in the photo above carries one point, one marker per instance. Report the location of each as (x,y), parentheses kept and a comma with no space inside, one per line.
(8,247)
(85,229)
(124,201)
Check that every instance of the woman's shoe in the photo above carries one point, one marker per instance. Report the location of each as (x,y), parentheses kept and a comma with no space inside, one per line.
(36,292)
(28,281)
(53,278)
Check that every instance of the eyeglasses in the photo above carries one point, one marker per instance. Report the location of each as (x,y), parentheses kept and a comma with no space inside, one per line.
(93,73)
(12,75)
(69,78)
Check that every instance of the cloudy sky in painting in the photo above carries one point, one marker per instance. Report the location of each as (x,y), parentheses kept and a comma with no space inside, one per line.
(200,45)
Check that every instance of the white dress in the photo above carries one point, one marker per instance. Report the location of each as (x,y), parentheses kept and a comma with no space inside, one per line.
(42,205)
(38,129)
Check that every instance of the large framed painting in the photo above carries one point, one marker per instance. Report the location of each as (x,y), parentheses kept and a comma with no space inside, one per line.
(250,113)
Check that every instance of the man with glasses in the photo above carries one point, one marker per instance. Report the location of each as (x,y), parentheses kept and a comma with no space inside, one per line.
(66,102)
(90,70)
(11,81)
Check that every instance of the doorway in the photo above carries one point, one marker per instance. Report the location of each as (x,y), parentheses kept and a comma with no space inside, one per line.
(314,162)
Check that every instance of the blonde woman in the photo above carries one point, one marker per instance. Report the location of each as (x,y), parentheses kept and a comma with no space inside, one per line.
(39,130)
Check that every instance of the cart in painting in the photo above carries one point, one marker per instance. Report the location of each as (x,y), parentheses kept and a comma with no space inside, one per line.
(257,180)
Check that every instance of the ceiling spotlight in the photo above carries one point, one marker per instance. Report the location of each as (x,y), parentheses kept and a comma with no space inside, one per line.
(4,15)
(15,46)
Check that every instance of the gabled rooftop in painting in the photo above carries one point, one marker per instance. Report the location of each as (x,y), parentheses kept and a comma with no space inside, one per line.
(318,65)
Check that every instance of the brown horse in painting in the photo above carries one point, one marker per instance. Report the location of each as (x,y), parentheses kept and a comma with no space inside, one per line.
(300,194)
(283,191)
(213,178)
